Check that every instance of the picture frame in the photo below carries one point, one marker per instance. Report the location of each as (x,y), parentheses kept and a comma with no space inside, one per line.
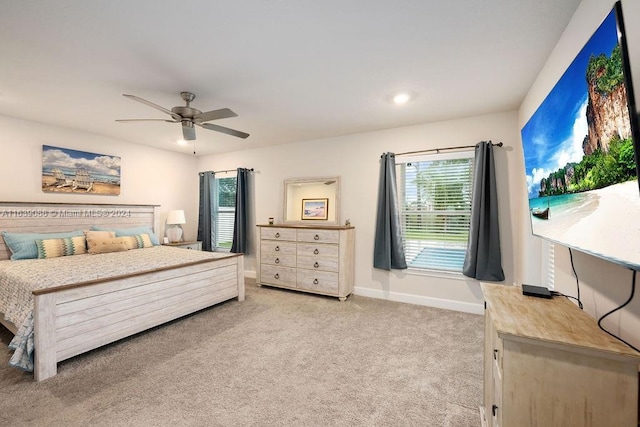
(72,171)
(315,209)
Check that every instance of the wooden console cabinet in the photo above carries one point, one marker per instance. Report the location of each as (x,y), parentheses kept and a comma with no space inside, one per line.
(311,259)
(546,363)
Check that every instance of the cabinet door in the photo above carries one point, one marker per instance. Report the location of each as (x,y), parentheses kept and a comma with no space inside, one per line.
(277,233)
(318,236)
(278,253)
(317,250)
(488,367)
(317,263)
(195,246)
(275,247)
(318,281)
(496,408)
(279,276)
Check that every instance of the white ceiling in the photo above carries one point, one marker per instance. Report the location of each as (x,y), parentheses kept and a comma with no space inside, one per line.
(293,70)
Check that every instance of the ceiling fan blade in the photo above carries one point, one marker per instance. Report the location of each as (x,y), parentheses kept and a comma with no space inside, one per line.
(188,130)
(151,104)
(147,120)
(223,113)
(222,129)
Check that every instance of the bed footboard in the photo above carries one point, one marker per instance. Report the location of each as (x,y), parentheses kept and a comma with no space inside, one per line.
(71,320)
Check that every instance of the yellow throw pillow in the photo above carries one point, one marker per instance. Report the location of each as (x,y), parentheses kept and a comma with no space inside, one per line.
(66,246)
(110,244)
(139,241)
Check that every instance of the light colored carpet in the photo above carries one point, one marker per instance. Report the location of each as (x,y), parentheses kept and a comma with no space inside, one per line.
(279,358)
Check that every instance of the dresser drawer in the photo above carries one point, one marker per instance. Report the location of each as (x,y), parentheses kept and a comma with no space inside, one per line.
(277,233)
(276,275)
(323,250)
(276,259)
(319,281)
(318,263)
(318,236)
(273,247)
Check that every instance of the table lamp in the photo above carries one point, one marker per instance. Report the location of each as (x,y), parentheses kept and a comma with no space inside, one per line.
(174,229)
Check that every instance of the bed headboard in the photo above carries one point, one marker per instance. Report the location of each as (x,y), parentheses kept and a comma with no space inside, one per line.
(33,217)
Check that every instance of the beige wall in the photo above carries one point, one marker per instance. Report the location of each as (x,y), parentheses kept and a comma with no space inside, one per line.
(355,158)
(603,285)
(149,176)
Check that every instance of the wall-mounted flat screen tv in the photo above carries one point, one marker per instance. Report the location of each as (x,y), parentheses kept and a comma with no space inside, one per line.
(580,149)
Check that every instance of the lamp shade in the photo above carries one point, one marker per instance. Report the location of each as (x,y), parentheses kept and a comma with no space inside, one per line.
(176,217)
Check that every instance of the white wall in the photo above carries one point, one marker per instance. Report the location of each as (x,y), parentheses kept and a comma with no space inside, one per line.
(603,285)
(148,175)
(356,159)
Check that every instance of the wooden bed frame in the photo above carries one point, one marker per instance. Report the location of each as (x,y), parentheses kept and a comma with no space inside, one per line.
(73,319)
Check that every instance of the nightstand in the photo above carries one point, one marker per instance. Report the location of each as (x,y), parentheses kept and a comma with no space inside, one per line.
(186,245)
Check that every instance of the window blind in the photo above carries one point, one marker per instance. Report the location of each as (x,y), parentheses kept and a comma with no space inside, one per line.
(224,212)
(435,202)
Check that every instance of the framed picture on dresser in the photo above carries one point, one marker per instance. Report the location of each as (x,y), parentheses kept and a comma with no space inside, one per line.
(315,209)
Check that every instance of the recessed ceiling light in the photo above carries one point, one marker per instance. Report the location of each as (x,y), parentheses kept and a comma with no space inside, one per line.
(401,98)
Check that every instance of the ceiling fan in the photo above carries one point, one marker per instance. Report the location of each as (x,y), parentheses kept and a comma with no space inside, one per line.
(189,116)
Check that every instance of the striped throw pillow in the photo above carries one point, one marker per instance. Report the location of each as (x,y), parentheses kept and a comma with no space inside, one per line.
(138,241)
(66,246)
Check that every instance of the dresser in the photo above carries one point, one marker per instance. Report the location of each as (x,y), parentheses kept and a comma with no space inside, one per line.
(547,363)
(316,259)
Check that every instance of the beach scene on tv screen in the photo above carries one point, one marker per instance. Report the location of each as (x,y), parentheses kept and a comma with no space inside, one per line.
(579,156)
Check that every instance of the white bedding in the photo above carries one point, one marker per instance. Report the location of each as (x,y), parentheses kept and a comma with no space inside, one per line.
(19,278)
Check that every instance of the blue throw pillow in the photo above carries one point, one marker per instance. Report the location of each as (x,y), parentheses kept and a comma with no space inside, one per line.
(120,232)
(23,245)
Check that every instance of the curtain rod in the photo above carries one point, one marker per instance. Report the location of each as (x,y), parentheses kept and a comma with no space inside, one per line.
(226,170)
(438,150)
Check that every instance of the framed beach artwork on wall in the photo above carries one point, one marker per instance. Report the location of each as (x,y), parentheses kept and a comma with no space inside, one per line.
(314,208)
(71,171)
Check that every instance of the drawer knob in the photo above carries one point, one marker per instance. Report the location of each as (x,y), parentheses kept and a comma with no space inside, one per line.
(277,249)
(316,252)
(494,410)
(316,237)
(315,281)
(277,235)
(495,354)
(277,260)
(276,276)
(316,265)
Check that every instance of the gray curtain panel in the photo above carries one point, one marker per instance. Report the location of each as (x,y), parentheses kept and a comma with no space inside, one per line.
(388,251)
(205,213)
(483,260)
(241,222)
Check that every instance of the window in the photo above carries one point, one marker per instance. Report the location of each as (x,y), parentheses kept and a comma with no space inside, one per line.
(224,211)
(435,207)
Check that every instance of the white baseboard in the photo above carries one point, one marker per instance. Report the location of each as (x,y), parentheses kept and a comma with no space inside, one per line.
(465,307)
(250,274)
